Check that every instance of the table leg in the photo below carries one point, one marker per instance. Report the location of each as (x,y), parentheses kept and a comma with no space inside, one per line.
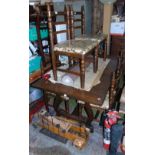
(90,115)
(67,105)
(46,100)
(80,109)
(82,72)
(56,104)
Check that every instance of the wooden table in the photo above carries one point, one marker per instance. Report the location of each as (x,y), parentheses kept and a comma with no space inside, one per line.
(95,96)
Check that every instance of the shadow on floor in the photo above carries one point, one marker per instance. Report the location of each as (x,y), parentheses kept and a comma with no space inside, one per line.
(54,150)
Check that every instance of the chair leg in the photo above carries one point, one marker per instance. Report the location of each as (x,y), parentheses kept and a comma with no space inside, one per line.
(82,72)
(112,91)
(105,50)
(54,66)
(95,61)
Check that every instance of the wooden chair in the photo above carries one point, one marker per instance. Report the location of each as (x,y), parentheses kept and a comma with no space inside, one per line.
(77,49)
(115,89)
(100,38)
(44,41)
(118,81)
(31,10)
(36,22)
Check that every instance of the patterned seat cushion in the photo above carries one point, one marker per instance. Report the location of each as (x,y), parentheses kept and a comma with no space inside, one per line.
(76,46)
(98,38)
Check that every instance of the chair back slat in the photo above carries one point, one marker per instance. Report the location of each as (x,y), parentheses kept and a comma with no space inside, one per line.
(75,20)
(51,23)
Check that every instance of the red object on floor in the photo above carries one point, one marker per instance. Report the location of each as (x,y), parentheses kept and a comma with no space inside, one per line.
(108,122)
(106,146)
(37,107)
(46,76)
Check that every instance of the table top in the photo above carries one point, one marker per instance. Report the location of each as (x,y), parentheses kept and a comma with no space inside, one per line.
(95,96)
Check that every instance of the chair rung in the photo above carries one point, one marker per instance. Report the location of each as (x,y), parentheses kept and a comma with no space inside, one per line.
(62,31)
(77,27)
(59,13)
(59,23)
(69,71)
(46,46)
(77,20)
(77,13)
(43,28)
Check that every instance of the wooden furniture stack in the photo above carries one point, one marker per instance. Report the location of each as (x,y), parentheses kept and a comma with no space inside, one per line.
(85,99)
(117,44)
(91,99)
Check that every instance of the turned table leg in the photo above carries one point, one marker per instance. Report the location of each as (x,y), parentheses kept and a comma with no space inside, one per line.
(82,72)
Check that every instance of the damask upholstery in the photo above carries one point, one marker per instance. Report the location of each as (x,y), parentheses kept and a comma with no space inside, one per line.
(76,46)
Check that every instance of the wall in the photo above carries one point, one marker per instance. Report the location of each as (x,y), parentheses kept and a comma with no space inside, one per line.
(97,20)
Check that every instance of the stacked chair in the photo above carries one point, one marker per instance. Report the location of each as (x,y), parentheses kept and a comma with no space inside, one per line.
(100,38)
(38,22)
(72,48)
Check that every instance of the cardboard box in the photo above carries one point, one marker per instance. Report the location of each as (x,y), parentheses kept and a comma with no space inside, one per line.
(117,28)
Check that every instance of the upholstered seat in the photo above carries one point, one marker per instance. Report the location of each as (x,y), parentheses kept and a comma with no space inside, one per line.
(99,38)
(76,46)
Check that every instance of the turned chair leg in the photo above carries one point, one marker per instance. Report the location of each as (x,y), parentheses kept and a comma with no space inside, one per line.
(82,72)
(54,66)
(95,60)
(105,50)
(70,61)
(112,90)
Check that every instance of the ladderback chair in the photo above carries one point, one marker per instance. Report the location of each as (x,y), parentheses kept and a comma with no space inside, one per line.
(43,34)
(78,22)
(71,48)
(38,22)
